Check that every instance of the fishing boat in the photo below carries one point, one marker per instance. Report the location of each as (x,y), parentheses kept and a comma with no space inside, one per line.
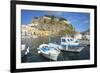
(71,44)
(49,51)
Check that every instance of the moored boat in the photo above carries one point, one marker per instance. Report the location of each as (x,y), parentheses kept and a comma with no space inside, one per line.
(71,44)
(49,51)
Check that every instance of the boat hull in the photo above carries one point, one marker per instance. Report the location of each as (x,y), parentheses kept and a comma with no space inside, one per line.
(52,57)
(49,51)
(75,50)
(79,49)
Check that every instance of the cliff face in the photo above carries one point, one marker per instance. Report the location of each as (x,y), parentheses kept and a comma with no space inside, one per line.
(56,25)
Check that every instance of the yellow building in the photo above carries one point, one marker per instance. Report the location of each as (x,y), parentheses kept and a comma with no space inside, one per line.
(30,30)
(43,32)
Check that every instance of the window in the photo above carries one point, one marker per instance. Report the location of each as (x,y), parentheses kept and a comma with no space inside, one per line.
(63,40)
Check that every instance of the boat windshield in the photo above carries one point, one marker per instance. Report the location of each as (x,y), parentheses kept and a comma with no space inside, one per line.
(63,40)
(45,48)
(68,40)
(71,39)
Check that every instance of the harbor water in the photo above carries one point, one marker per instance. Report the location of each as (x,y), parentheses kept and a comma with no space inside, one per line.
(34,56)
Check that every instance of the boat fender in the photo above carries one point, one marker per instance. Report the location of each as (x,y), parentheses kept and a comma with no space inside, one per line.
(39,52)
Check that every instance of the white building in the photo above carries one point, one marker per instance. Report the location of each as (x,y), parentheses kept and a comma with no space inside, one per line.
(78,36)
(86,35)
(24,30)
(29,30)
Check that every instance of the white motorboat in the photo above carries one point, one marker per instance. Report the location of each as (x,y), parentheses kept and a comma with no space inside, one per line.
(71,44)
(49,51)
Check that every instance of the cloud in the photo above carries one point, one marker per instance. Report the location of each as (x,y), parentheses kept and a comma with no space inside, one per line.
(86,21)
(56,13)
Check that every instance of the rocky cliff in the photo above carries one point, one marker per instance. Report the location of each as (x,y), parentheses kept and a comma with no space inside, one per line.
(56,25)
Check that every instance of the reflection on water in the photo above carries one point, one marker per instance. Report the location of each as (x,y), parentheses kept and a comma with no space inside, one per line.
(63,56)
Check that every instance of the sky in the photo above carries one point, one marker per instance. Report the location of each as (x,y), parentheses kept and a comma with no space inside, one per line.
(80,20)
